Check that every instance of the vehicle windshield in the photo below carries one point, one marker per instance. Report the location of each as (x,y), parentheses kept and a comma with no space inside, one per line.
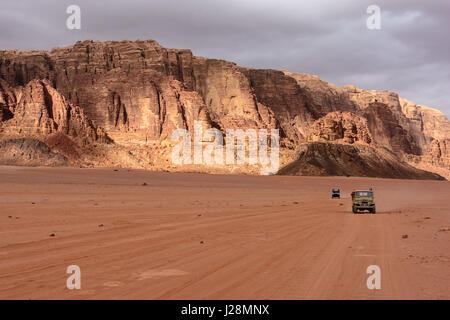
(364,193)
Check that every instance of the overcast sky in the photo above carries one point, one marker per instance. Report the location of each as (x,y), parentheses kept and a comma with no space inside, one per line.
(409,55)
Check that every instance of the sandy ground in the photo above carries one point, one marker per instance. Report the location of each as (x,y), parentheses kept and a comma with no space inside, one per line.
(196,236)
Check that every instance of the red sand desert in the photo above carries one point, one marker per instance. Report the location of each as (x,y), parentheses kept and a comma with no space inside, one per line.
(148,235)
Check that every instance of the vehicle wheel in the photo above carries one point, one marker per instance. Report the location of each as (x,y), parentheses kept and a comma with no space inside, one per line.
(354,210)
(374,210)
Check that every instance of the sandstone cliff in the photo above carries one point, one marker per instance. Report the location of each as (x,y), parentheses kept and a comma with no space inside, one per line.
(344,127)
(117,103)
(39,109)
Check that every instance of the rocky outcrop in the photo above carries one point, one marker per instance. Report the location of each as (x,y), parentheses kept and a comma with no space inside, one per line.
(422,124)
(229,97)
(62,144)
(363,98)
(39,109)
(343,127)
(348,136)
(323,96)
(136,93)
(124,87)
(284,97)
(29,152)
(425,123)
(435,159)
(8,101)
(438,153)
(331,159)
(387,131)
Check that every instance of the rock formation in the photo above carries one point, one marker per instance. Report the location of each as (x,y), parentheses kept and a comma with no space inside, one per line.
(39,109)
(29,152)
(387,130)
(438,153)
(118,102)
(344,127)
(324,159)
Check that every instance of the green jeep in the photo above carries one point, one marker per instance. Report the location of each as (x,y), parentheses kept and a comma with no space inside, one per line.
(363,200)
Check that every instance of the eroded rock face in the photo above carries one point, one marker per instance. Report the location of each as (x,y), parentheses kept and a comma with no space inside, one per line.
(387,130)
(425,122)
(324,97)
(130,87)
(138,93)
(344,127)
(8,101)
(422,124)
(363,98)
(284,97)
(438,153)
(41,110)
(29,152)
(435,159)
(228,95)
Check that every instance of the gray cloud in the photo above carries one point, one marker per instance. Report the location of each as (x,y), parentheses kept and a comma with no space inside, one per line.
(409,55)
